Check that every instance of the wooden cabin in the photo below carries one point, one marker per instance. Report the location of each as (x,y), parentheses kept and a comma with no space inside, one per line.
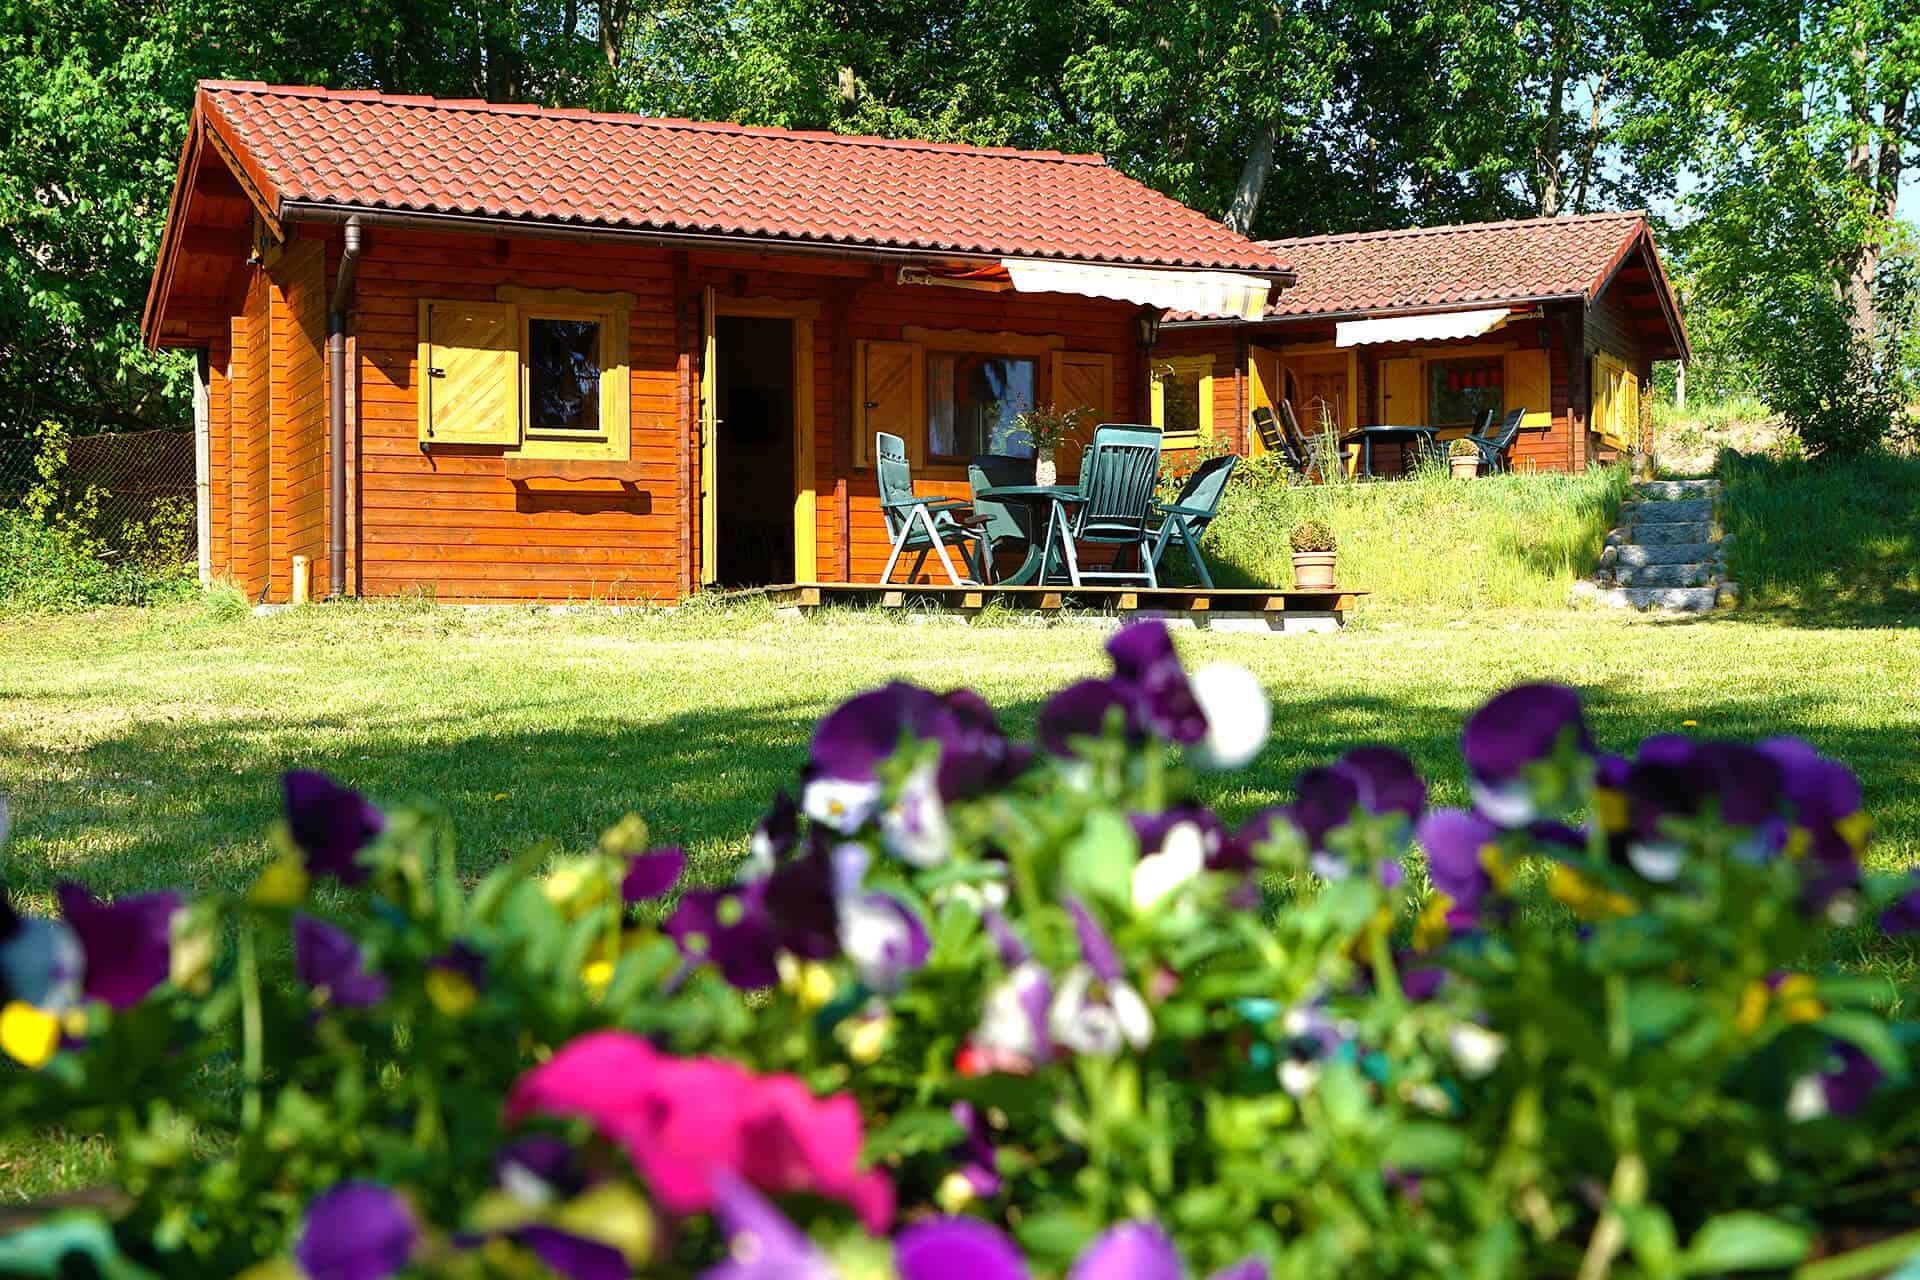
(1563,317)
(499,353)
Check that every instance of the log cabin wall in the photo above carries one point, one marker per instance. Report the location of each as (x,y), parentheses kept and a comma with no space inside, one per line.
(249,436)
(297,505)
(1611,329)
(448,521)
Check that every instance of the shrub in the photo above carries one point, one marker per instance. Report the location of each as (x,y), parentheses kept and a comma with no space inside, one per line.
(1462,448)
(1312,535)
(1015,998)
(48,566)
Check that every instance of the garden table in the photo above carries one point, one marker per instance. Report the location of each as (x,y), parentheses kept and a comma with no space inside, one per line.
(1045,500)
(1365,437)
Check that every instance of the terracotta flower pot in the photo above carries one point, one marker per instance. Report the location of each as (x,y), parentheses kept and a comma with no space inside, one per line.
(1313,570)
(1043,469)
(1465,467)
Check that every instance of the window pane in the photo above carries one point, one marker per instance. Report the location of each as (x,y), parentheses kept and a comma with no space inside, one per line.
(1179,403)
(563,375)
(972,401)
(1459,391)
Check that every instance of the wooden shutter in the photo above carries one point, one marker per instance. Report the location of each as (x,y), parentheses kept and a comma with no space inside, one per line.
(1403,393)
(1615,411)
(469,379)
(1080,380)
(888,395)
(1529,379)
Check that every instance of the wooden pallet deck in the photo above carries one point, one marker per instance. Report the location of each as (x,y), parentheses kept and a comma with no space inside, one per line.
(1240,608)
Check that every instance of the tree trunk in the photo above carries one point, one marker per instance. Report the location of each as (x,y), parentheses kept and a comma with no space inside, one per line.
(1253,180)
(1547,154)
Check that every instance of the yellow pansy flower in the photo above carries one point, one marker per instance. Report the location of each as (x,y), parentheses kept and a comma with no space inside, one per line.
(28,1035)
(284,883)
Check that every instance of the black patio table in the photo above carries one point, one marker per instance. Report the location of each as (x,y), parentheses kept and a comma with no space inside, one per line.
(1049,502)
(1365,437)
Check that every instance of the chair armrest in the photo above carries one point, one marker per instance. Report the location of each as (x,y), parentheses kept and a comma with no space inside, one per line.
(1175,509)
(931,504)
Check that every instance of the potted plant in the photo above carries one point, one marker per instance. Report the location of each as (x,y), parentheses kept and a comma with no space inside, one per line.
(1045,426)
(1464,458)
(1313,552)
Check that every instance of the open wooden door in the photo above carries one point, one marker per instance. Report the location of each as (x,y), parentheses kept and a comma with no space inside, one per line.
(1267,386)
(709,441)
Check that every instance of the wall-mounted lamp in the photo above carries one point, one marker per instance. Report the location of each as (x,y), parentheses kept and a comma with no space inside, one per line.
(1146,327)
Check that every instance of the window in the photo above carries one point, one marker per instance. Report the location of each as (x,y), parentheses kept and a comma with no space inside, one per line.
(542,373)
(1615,412)
(973,400)
(1459,391)
(563,376)
(1183,400)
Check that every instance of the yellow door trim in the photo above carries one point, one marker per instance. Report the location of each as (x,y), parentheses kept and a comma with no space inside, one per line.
(709,433)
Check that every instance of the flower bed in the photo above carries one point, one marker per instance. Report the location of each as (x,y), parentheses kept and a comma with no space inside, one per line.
(975,1008)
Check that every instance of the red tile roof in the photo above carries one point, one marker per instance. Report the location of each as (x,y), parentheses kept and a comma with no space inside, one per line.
(1427,267)
(317,146)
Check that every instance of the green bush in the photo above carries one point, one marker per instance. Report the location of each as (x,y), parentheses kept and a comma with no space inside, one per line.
(45,566)
(1813,535)
(1502,541)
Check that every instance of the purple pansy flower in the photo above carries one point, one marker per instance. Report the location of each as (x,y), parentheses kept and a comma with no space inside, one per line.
(1375,780)
(1903,915)
(774,836)
(330,961)
(975,1154)
(914,827)
(974,753)
(1310,1037)
(41,961)
(842,776)
(1461,850)
(1133,1250)
(357,1231)
(956,1249)
(1147,671)
(1083,710)
(1389,782)
(128,944)
(330,823)
(1841,1089)
(538,1169)
(883,938)
(1515,730)
(728,926)
(1012,1036)
(761,1243)
(1096,1011)
(572,1256)
(653,874)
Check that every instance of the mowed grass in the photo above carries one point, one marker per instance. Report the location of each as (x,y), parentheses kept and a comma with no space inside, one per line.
(143,748)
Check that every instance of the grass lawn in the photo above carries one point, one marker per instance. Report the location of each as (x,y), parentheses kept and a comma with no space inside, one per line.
(143,748)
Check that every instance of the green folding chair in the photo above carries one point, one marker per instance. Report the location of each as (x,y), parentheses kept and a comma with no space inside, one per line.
(1187,519)
(1118,474)
(925,525)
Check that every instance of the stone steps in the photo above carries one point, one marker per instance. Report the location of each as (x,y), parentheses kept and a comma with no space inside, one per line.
(1666,554)
(1639,553)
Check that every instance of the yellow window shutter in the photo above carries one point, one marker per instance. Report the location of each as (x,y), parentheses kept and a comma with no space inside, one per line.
(1630,428)
(1080,380)
(469,379)
(1529,379)
(888,389)
(1403,397)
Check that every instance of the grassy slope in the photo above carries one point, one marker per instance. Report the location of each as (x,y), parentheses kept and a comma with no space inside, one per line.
(1493,542)
(1821,538)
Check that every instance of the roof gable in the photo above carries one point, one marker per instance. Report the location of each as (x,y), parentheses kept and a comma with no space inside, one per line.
(316,147)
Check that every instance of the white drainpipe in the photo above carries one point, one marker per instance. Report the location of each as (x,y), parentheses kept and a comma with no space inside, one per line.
(202,467)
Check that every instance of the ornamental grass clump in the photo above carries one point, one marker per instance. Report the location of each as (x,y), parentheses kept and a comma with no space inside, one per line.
(974,1007)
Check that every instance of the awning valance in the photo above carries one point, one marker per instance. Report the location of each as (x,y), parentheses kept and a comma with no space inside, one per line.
(1210,293)
(1436,326)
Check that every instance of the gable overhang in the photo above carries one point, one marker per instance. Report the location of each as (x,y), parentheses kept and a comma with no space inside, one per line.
(1641,243)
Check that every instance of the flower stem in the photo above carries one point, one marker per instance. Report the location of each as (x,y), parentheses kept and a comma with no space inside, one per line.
(1871,1260)
(252,1035)
(1386,978)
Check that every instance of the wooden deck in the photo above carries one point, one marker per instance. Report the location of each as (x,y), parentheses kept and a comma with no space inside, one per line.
(1225,609)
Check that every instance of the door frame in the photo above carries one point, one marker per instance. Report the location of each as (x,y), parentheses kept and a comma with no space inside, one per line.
(803,313)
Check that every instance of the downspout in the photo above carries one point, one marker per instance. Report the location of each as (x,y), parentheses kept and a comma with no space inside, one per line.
(1240,370)
(337,411)
(203,464)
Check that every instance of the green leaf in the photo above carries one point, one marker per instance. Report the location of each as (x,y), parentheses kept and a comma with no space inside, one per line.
(1868,1032)
(1650,1235)
(1099,862)
(1744,1242)
(1424,1145)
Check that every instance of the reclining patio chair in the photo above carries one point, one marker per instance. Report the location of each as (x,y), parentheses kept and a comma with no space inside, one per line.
(1189,517)
(1496,443)
(922,524)
(1118,474)
(1006,524)
(1276,440)
(1302,444)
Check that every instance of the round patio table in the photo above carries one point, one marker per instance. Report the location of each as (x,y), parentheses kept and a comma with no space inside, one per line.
(1365,437)
(1046,503)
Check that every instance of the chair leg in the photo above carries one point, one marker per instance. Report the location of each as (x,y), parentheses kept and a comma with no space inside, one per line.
(1146,565)
(939,547)
(1073,557)
(899,541)
(1193,554)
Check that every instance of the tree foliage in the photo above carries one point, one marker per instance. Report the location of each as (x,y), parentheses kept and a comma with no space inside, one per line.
(1773,135)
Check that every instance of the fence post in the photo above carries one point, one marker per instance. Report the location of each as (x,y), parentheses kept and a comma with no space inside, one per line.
(202,466)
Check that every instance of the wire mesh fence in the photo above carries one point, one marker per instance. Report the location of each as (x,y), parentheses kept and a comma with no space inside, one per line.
(127,496)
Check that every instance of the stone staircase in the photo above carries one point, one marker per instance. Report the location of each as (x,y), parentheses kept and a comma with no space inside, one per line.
(1667,553)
